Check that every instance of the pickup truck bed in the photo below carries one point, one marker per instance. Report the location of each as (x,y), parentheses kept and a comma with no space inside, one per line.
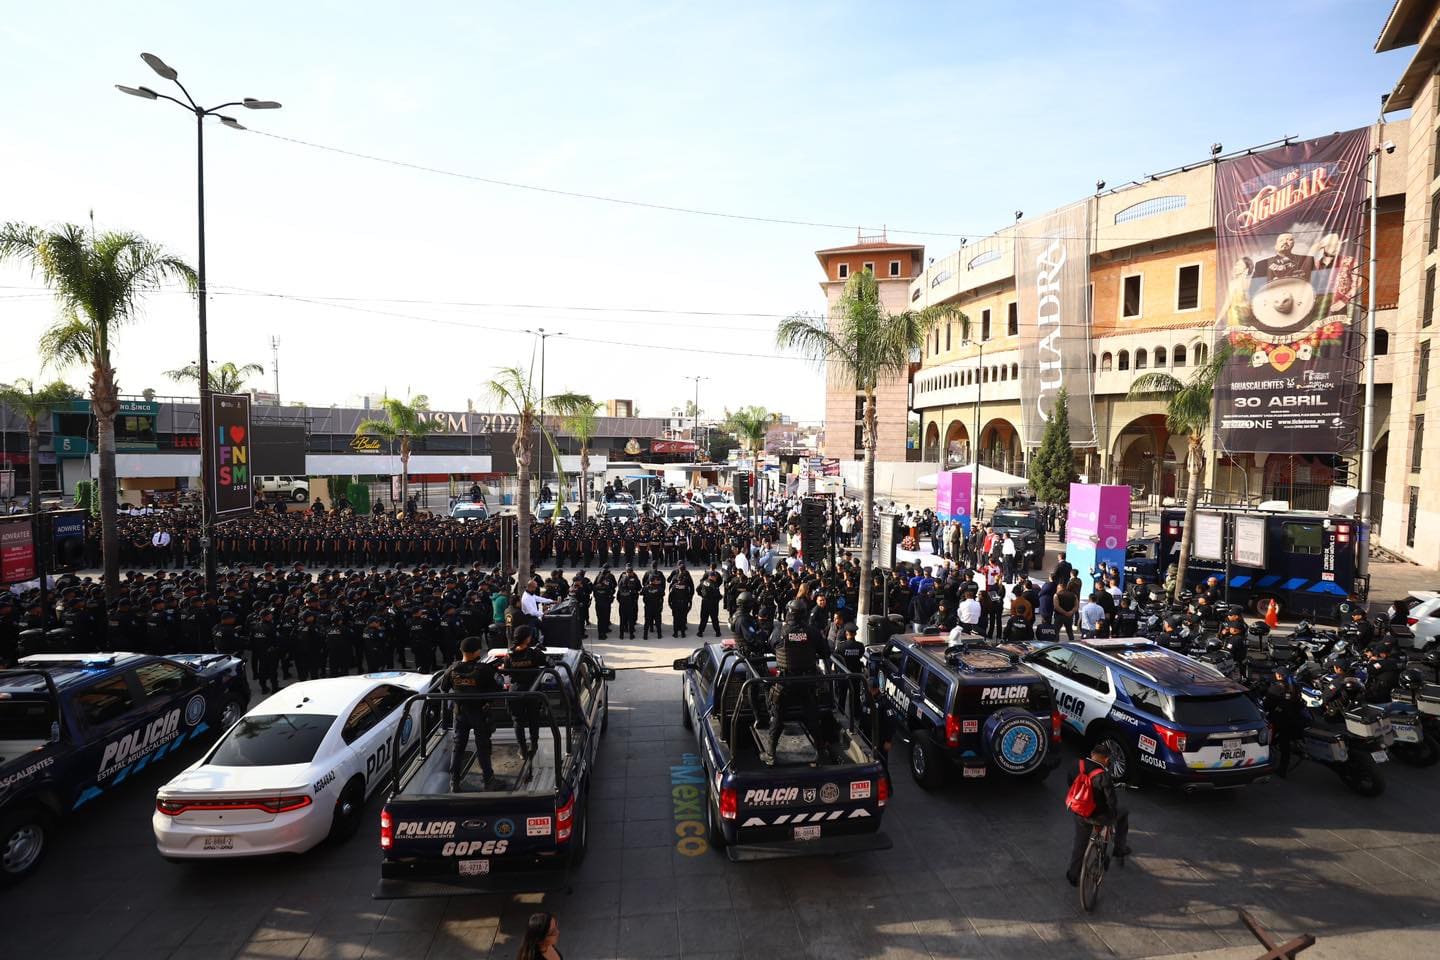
(514,772)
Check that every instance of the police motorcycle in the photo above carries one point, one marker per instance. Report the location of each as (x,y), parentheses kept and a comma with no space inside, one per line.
(1419,746)
(1353,740)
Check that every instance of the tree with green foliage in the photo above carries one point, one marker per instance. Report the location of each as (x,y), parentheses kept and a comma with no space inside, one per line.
(99,282)
(403,423)
(578,411)
(224,377)
(865,343)
(35,405)
(749,426)
(1052,468)
(511,388)
(1189,406)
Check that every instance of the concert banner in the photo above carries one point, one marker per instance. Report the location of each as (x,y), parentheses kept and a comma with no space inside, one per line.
(233,483)
(17,549)
(1052,271)
(1288,228)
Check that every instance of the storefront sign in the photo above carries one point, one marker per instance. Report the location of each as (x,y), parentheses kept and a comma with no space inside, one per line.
(232,481)
(671,446)
(363,444)
(1289,284)
(17,550)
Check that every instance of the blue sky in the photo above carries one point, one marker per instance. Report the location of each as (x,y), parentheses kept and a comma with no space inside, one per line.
(942,117)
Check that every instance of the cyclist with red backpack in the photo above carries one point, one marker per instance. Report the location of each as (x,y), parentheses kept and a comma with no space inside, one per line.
(1092,798)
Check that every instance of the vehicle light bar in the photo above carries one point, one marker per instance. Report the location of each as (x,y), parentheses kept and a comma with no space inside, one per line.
(174,806)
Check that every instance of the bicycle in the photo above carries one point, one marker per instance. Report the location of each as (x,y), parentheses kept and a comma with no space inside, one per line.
(1098,853)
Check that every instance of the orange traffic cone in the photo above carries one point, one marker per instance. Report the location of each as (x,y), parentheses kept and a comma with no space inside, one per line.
(1272,614)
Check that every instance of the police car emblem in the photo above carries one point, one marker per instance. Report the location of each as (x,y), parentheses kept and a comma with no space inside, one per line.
(195,710)
(505,827)
(407,727)
(830,793)
(809,794)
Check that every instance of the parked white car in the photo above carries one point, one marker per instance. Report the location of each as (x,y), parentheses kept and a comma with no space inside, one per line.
(1424,618)
(293,771)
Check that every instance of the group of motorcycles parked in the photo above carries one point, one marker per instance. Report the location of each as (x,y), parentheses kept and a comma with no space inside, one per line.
(1327,702)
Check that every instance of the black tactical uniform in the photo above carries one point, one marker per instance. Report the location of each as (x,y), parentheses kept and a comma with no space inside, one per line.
(797,654)
(709,592)
(522,665)
(604,593)
(471,676)
(376,644)
(628,593)
(682,597)
(338,646)
(653,593)
(265,651)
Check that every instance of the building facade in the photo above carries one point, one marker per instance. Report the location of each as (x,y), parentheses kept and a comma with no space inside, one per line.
(1407,453)
(1151,306)
(895,265)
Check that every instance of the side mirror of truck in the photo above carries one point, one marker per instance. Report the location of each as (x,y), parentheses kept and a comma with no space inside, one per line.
(682,664)
(608,673)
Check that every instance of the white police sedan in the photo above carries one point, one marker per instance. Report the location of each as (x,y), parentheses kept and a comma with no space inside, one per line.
(294,770)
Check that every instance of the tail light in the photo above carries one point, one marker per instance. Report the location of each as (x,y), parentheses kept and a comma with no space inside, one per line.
(729,803)
(882,791)
(387,830)
(565,820)
(1173,739)
(1057,721)
(952,730)
(1411,621)
(173,807)
(1265,734)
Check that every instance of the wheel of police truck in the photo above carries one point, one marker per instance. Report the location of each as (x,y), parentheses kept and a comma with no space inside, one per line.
(685,708)
(349,808)
(1123,764)
(925,762)
(230,714)
(23,835)
(582,836)
(1361,774)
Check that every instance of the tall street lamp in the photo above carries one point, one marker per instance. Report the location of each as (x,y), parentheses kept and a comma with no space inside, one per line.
(544,335)
(207,442)
(695,428)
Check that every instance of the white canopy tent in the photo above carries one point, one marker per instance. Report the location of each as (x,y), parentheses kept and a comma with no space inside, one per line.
(990,478)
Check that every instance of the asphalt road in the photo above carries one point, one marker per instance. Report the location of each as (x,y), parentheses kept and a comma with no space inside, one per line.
(976,871)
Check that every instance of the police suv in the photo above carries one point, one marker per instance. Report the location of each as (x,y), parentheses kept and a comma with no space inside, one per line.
(975,707)
(1162,714)
(72,726)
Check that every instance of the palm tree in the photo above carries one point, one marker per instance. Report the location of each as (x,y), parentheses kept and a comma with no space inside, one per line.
(403,423)
(511,388)
(578,412)
(866,343)
(98,281)
(224,378)
(1188,410)
(749,425)
(23,398)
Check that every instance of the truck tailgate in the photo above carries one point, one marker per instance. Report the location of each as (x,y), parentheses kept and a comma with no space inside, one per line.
(800,812)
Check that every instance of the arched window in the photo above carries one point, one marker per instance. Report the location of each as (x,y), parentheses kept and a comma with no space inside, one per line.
(1106,362)
(985,375)
(1159,356)
(1142,360)
(1094,362)
(1179,359)
(1382,341)
(1123,360)
(1014,371)
(1004,373)
(1202,353)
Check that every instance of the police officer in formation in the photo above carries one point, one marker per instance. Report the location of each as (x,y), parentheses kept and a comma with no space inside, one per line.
(652,592)
(628,593)
(604,593)
(709,590)
(682,596)
(471,675)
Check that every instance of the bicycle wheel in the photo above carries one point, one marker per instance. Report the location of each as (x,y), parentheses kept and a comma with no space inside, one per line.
(1092,871)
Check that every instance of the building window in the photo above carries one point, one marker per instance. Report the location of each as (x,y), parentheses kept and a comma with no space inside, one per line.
(843,270)
(1141,359)
(894,268)
(1123,361)
(1382,341)
(1094,362)
(1090,301)
(1414,514)
(980,259)
(947,334)
(1004,373)
(1151,207)
(859,438)
(1417,443)
(1428,313)
(1014,371)
(859,408)
(1130,300)
(1422,376)
(1187,289)
(1434,221)
(1179,359)
(1012,319)
(1107,363)
(984,325)
(1159,356)
(868,266)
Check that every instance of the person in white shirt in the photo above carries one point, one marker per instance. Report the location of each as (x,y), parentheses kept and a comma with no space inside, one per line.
(742,562)
(1091,613)
(968,613)
(532,604)
(161,552)
(1007,554)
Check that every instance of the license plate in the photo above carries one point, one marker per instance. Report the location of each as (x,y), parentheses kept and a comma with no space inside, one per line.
(1380,756)
(219,843)
(807,833)
(474,868)
(1406,733)
(971,773)
(1231,745)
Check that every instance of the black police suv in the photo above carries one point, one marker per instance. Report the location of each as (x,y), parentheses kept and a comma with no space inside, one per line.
(974,707)
(74,726)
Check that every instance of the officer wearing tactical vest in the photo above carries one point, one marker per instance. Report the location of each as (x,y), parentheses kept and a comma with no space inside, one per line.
(797,653)
(471,675)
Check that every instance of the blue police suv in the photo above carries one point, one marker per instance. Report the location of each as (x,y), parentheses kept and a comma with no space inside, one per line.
(1164,716)
(74,726)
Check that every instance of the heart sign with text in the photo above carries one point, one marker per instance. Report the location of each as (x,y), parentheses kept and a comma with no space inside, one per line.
(232,480)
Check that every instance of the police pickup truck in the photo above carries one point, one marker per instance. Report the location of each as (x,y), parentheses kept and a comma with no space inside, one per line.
(977,707)
(826,789)
(1162,714)
(528,827)
(72,726)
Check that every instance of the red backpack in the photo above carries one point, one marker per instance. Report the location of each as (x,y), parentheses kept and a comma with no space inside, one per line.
(1080,800)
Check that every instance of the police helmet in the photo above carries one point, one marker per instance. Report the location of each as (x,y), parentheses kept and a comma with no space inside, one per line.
(796,608)
(1412,678)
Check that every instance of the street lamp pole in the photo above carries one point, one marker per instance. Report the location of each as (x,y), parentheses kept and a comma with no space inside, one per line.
(544,335)
(695,428)
(207,428)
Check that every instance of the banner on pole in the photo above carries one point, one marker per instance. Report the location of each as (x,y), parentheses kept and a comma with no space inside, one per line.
(17,549)
(232,483)
(1097,530)
(1052,273)
(953,493)
(1288,282)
